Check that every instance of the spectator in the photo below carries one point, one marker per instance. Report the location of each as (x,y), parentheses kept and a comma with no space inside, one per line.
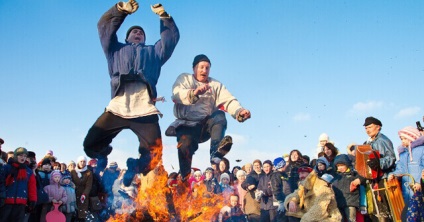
(56,192)
(226,188)
(321,166)
(241,193)
(212,185)
(83,179)
(330,152)
(295,161)
(347,197)
(411,161)
(279,187)
(231,212)
(20,187)
(70,204)
(265,195)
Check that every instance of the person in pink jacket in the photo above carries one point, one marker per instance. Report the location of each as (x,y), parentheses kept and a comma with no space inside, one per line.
(56,192)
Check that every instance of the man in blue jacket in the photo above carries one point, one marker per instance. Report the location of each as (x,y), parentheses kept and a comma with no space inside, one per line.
(134,69)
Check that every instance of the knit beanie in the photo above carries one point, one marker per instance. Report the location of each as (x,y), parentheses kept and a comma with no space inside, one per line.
(279,163)
(410,133)
(224,175)
(80,158)
(113,164)
(200,58)
(46,161)
(268,162)
(20,150)
(135,27)
(323,136)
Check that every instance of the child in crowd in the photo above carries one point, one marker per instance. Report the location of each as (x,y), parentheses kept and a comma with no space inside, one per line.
(347,198)
(44,172)
(56,192)
(232,212)
(20,188)
(212,185)
(70,203)
(226,188)
(321,166)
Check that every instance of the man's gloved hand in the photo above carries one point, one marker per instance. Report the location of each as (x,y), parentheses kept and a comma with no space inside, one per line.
(159,10)
(281,208)
(129,7)
(374,163)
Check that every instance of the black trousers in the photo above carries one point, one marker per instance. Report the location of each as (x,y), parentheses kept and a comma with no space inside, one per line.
(188,139)
(107,126)
(12,212)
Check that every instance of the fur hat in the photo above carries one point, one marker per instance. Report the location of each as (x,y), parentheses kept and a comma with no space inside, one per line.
(410,133)
(20,150)
(200,58)
(372,120)
(279,163)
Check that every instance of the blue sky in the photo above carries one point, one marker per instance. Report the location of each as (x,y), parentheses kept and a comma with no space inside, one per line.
(301,67)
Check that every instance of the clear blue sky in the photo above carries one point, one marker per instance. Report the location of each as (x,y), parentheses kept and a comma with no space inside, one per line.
(301,67)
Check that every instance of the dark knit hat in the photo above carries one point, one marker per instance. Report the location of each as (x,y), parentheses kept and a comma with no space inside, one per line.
(1,141)
(268,162)
(31,154)
(135,27)
(200,58)
(46,161)
(210,169)
(342,159)
(20,150)
(370,120)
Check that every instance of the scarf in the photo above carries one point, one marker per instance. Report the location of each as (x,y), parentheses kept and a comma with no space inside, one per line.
(17,171)
(79,171)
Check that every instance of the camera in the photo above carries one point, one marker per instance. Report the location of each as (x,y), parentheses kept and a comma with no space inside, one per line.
(419,127)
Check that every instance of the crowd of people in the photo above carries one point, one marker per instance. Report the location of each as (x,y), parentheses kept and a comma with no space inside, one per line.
(293,187)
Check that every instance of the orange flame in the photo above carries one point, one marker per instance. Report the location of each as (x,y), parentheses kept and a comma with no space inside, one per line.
(156,202)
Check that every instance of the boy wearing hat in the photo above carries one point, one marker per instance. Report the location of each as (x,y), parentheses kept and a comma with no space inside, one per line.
(20,187)
(211,182)
(347,196)
(134,69)
(200,102)
(279,186)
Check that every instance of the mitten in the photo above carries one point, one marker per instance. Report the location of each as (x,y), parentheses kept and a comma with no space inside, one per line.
(129,7)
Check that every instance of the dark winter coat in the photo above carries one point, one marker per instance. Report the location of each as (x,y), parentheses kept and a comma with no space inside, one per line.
(341,184)
(137,62)
(267,198)
(278,184)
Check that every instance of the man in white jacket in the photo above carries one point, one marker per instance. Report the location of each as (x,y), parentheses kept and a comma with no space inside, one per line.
(200,103)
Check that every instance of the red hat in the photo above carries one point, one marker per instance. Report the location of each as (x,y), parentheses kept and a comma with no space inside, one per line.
(306,169)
